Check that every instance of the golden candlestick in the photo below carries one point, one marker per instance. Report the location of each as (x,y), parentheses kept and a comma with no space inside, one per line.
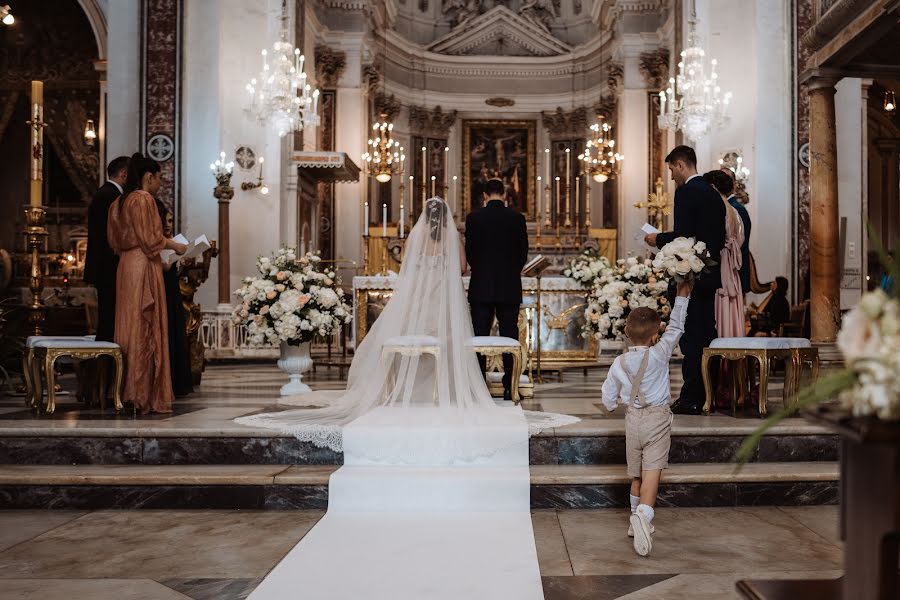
(35,215)
(587,205)
(547,195)
(568,187)
(658,205)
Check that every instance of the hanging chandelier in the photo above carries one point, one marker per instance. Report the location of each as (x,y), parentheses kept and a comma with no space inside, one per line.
(694,103)
(600,159)
(281,96)
(385,157)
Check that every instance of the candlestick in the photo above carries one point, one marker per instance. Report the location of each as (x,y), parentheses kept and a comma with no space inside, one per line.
(37,142)
(446,159)
(577,202)
(402,221)
(538,212)
(568,187)
(384,220)
(587,205)
(412,205)
(365,218)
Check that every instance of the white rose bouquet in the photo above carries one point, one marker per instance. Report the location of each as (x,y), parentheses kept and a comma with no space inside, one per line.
(293,300)
(869,386)
(683,259)
(632,283)
(587,267)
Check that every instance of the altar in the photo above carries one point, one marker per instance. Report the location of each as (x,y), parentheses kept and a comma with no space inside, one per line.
(559,325)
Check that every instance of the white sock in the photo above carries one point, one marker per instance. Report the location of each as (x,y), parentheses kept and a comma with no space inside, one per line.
(647,511)
(635,500)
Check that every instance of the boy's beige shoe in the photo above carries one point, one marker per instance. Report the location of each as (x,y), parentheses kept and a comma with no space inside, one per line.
(643,541)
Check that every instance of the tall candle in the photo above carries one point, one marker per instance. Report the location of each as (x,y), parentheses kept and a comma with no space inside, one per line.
(384,220)
(412,205)
(558,199)
(433,178)
(538,213)
(453,194)
(547,164)
(446,158)
(366,218)
(577,200)
(662,103)
(424,174)
(37,142)
(402,220)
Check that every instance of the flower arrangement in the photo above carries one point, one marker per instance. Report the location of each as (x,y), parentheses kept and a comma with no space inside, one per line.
(616,290)
(683,258)
(869,385)
(293,300)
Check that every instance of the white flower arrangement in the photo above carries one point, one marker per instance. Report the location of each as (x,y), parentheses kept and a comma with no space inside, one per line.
(293,300)
(616,290)
(683,259)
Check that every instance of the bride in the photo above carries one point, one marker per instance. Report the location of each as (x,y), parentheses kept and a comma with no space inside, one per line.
(415,366)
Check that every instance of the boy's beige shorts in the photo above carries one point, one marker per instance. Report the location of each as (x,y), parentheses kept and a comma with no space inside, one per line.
(648,437)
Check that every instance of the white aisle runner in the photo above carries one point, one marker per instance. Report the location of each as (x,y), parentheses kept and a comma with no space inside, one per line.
(407,528)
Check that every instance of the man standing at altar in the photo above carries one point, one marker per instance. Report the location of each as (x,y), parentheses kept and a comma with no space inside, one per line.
(496,250)
(699,214)
(101,262)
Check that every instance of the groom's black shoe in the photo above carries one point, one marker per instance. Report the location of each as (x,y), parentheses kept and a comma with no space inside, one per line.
(681,407)
(507,394)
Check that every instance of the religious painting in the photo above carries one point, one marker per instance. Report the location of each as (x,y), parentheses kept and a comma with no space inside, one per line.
(499,150)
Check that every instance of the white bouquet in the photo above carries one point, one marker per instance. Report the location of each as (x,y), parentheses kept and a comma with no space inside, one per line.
(632,283)
(293,300)
(587,267)
(683,259)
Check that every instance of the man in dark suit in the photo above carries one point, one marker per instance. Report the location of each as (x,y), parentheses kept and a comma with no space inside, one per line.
(700,214)
(101,263)
(496,250)
(734,201)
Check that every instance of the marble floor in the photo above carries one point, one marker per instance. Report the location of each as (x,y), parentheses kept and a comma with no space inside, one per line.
(232,390)
(698,553)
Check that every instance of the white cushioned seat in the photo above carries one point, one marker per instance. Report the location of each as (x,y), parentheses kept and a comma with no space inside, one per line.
(493,340)
(497,377)
(753,343)
(798,342)
(75,343)
(34,339)
(411,341)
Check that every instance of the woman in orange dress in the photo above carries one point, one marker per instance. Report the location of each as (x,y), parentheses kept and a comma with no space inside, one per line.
(135,234)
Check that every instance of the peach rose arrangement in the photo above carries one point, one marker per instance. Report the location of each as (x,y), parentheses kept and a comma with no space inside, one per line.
(294,300)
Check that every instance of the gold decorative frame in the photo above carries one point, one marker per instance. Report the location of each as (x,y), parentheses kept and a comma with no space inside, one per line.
(529,127)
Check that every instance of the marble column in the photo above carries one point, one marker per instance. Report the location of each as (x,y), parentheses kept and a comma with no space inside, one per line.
(824,235)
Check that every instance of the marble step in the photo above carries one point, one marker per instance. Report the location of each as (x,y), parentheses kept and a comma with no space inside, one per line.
(306,486)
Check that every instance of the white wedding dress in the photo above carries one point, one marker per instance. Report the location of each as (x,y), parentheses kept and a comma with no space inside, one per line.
(433,498)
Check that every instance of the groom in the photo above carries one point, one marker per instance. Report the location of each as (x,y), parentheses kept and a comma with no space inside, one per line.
(496,250)
(700,214)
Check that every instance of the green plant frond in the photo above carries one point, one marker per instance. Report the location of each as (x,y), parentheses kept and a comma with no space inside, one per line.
(822,390)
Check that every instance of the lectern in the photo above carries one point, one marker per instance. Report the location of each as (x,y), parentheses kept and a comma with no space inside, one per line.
(534,268)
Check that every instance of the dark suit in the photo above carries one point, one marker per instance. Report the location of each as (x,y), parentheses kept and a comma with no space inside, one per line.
(101,262)
(700,214)
(496,250)
(745,247)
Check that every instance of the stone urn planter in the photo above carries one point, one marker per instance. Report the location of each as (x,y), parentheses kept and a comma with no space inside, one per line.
(295,361)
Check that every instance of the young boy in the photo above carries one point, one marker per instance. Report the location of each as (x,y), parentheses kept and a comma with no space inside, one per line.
(640,378)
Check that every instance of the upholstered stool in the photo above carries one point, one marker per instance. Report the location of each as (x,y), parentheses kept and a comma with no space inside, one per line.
(41,353)
(742,348)
(412,345)
(492,345)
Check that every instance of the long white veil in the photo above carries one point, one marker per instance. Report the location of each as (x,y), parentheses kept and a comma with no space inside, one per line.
(428,305)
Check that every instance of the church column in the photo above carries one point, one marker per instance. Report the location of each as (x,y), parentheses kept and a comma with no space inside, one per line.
(633,141)
(824,236)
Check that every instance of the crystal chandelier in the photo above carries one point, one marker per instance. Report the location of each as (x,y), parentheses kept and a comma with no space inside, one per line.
(281,96)
(701,105)
(385,157)
(600,159)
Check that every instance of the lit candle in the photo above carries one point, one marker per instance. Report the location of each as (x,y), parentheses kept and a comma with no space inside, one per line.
(547,163)
(424,180)
(539,204)
(366,218)
(577,200)
(411,204)
(384,220)
(433,179)
(662,103)
(37,142)
(453,194)
(558,199)
(402,220)
(446,159)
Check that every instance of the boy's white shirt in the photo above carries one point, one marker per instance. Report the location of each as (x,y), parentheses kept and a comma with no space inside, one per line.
(655,384)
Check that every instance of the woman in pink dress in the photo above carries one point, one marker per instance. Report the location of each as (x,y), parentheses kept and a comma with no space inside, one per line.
(729,298)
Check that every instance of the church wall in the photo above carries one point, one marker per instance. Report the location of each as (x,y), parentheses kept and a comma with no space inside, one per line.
(123,112)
